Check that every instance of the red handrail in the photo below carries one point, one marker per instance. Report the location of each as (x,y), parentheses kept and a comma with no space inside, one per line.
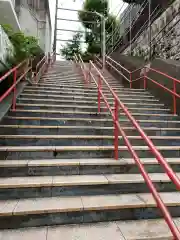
(13,71)
(41,68)
(117,128)
(17,79)
(173,92)
(82,67)
(120,72)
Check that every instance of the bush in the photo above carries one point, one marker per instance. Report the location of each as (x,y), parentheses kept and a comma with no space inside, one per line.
(25,47)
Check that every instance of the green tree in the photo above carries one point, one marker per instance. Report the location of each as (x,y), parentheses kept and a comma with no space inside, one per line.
(25,47)
(93,24)
(72,47)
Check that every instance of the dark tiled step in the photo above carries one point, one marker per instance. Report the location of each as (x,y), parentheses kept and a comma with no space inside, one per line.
(90,103)
(61,167)
(62,152)
(82,130)
(85,209)
(54,186)
(82,97)
(76,93)
(40,112)
(78,107)
(43,112)
(120,230)
(85,90)
(35,120)
(83,140)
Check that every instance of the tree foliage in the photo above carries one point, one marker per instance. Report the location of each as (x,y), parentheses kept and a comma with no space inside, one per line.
(72,47)
(93,23)
(24,46)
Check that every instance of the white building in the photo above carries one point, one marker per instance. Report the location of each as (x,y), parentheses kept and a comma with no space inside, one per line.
(30,16)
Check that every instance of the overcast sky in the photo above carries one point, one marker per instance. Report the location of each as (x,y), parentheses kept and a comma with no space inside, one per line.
(115,6)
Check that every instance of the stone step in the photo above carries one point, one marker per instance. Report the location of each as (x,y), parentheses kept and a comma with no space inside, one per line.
(82,140)
(89,103)
(87,90)
(76,97)
(84,209)
(80,185)
(81,85)
(31,104)
(77,83)
(69,81)
(62,152)
(35,120)
(37,110)
(74,92)
(69,167)
(68,75)
(88,130)
(120,230)
(66,85)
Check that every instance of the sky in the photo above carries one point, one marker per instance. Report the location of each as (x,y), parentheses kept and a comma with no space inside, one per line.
(115,7)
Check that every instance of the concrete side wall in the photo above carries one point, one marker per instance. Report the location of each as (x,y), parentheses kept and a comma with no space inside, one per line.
(37,25)
(170,67)
(28,22)
(48,35)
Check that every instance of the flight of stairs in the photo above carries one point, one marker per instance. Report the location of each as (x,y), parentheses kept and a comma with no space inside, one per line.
(57,165)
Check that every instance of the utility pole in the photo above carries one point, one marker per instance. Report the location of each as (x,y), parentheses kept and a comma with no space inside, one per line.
(103,50)
(130,25)
(103,41)
(150,50)
(55,29)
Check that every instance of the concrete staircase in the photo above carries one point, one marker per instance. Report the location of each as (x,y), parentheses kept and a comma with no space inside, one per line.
(57,164)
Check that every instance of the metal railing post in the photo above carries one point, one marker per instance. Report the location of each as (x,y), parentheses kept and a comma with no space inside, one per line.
(90,72)
(36,77)
(145,79)
(116,131)
(174,99)
(99,94)
(130,75)
(14,90)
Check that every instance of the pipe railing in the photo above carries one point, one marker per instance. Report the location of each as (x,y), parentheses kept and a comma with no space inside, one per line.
(43,65)
(99,80)
(173,92)
(16,79)
(23,69)
(145,77)
(110,62)
(82,66)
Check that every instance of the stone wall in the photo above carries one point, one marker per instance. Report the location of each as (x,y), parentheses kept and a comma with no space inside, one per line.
(165,33)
